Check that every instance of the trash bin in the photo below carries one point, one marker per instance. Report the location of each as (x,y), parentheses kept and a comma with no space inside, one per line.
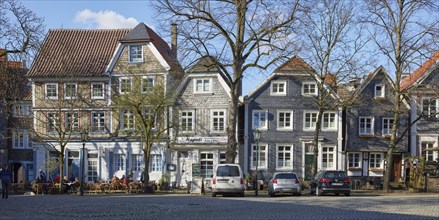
(261,185)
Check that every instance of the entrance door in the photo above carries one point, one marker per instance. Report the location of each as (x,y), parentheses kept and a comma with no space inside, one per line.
(183,169)
(309,156)
(396,173)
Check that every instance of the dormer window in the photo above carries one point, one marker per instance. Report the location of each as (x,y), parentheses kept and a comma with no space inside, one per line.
(379,91)
(278,88)
(135,54)
(202,86)
(309,89)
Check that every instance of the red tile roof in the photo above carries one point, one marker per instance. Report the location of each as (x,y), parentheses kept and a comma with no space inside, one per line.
(294,64)
(417,74)
(76,52)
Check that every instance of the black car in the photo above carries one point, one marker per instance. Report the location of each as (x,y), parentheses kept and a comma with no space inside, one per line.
(330,182)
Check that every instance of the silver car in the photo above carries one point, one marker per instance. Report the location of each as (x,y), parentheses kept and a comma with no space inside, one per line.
(285,182)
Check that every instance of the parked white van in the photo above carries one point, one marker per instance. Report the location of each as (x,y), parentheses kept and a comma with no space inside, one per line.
(228,179)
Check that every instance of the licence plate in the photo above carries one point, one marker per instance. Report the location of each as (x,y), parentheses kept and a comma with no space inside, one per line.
(337,184)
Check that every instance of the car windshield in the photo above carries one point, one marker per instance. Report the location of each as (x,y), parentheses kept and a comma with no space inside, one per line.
(335,175)
(286,176)
(227,171)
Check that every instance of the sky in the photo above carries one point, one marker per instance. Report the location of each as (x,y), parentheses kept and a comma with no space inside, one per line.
(99,14)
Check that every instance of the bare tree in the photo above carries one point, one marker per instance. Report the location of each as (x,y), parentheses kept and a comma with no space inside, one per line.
(21,30)
(402,36)
(240,35)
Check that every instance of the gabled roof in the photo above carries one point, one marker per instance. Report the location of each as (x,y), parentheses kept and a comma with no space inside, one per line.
(205,64)
(370,77)
(421,72)
(294,64)
(137,34)
(76,53)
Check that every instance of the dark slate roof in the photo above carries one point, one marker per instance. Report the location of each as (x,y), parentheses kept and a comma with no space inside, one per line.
(138,34)
(76,52)
(205,64)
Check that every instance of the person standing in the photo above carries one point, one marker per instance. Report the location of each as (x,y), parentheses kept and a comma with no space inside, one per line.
(6,177)
(42,176)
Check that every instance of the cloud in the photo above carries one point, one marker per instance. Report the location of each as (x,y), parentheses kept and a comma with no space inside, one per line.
(106,19)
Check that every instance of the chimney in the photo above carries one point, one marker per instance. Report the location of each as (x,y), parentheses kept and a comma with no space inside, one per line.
(174,40)
(3,55)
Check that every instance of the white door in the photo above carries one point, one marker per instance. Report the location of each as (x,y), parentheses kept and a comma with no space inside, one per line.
(183,169)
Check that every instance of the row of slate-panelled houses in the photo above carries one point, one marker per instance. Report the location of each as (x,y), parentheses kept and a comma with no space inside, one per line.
(92,65)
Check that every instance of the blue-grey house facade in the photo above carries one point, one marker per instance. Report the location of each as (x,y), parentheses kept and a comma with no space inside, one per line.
(283,109)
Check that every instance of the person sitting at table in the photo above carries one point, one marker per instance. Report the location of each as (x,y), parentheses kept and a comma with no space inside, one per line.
(67,184)
(115,182)
(123,181)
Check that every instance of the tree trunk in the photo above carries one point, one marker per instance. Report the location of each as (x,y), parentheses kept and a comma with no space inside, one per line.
(316,142)
(231,126)
(147,188)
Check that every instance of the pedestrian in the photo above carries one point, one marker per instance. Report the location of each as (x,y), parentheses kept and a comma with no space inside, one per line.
(42,176)
(6,177)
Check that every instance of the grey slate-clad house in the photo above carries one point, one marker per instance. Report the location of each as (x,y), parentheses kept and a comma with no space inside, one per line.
(423,85)
(283,109)
(201,104)
(369,124)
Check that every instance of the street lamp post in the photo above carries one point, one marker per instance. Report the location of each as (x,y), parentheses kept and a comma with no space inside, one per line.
(257,137)
(84,135)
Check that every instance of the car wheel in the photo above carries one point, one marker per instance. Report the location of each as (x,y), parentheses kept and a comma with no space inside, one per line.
(337,194)
(213,194)
(271,194)
(318,191)
(299,194)
(347,194)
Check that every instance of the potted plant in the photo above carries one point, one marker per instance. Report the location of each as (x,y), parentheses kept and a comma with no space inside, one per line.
(248,181)
(164,182)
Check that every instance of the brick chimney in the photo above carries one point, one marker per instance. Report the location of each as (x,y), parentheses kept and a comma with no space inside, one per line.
(3,55)
(174,40)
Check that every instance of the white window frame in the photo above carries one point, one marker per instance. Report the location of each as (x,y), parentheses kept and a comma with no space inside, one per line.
(313,120)
(426,145)
(277,92)
(262,151)
(373,164)
(156,163)
(356,159)
(431,111)
(99,128)
(329,153)
(146,88)
(309,84)
(326,116)
(92,92)
(52,120)
(387,130)
(222,157)
(137,162)
(363,130)
(208,172)
(284,166)
(119,162)
(203,86)
(121,79)
(52,97)
(219,117)
(383,91)
(188,120)
(22,110)
(146,113)
(92,167)
(65,91)
(131,58)
(282,127)
(20,139)
(75,126)
(128,120)
(259,113)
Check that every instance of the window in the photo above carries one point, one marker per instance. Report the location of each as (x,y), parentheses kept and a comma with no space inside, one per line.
(52,122)
(147,84)
(222,157)
(427,154)
(20,138)
(206,169)
(366,125)
(98,121)
(309,89)
(51,90)
(284,120)
(72,121)
(119,162)
(379,91)
(125,84)
(151,117)
(202,85)
(262,156)
(156,163)
(70,91)
(218,123)
(127,120)
(135,54)
(329,120)
(387,126)
(97,90)
(259,120)
(310,120)
(354,160)
(284,157)
(327,158)
(430,107)
(278,88)
(92,169)
(375,160)
(137,162)
(187,121)
(22,110)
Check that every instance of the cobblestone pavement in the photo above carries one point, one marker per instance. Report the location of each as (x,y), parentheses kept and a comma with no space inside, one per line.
(184,206)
